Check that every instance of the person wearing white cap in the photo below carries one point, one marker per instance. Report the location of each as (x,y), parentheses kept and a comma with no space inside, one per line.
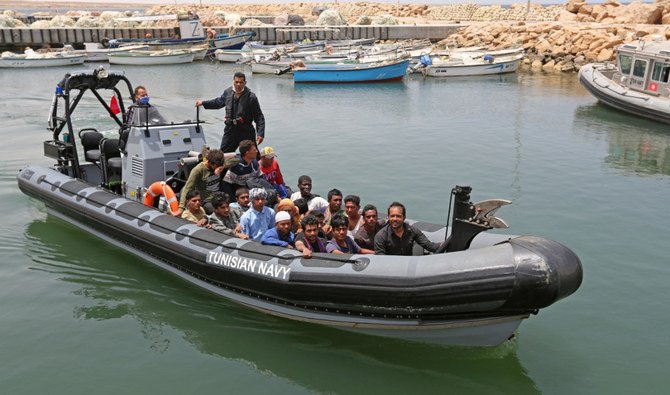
(259,218)
(281,234)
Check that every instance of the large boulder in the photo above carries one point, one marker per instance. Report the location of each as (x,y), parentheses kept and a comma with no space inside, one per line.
(87,21)
(316,11)
(295,20)
(9,21)
(233,19)
(62,21)
(573,6)
(638,13)
(363,20)
(386,19)
(331,17)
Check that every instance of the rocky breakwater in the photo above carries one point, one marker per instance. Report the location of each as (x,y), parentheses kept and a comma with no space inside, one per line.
(581,34)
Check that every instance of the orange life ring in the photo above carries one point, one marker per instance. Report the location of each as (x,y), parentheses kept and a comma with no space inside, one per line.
(161,188)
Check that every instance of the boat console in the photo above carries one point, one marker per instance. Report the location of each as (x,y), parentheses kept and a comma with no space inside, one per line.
(146,149)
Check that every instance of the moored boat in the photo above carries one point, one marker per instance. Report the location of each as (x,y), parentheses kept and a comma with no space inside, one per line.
(96,52)
(476,292)
(192,33)
(346,72)
(639,82)
(148,58)
(467,65)
(34,59)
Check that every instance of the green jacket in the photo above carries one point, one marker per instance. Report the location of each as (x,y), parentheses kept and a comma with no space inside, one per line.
(202,180)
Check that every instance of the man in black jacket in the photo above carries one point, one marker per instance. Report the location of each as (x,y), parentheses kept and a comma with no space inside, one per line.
(242,108)
(397,237)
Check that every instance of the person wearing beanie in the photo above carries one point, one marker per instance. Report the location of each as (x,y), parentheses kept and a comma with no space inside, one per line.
(281,234)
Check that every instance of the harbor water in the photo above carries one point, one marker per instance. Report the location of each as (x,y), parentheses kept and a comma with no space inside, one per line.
(80,316)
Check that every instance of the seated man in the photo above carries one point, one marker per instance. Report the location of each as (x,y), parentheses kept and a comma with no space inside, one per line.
(365,237)
(194,212)
(288,206)
(241,200)
(314,202)
(352,206)
(271,171)
(225,219)
(334,205)
(319,216)
(248,167)
(341,243)
(140,111)
(308,240)
(204,178)
(259,218)
(397,237)
(281,234)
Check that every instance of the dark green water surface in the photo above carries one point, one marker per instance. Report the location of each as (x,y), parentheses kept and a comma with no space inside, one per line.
(79,316)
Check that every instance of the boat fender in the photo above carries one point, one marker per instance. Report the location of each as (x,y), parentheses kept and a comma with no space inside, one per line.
(488,58)
(161,188)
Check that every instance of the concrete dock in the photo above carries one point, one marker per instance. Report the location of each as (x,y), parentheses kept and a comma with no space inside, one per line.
(15,38)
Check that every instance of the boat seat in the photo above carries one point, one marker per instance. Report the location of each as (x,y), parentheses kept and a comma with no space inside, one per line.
(110,159)
(90,140)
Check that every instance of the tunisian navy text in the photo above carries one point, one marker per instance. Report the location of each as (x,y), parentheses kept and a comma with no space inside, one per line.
(254,266)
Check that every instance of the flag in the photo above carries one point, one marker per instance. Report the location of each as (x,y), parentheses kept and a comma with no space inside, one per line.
(114,106)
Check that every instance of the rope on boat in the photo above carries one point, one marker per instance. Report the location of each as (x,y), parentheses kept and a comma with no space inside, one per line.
(354,262)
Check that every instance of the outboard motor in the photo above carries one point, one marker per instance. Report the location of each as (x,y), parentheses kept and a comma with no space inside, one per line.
(471,218)
(426,60)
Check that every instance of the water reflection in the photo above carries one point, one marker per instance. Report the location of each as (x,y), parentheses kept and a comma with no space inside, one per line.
(636,144)
(118,285)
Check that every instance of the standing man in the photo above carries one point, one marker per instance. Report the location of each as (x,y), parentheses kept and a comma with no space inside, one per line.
(242,108)
(398,237)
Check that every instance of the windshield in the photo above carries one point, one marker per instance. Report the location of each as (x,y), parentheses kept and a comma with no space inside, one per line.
(138,115)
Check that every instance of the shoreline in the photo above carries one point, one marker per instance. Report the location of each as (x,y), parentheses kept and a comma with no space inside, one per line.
(556,38)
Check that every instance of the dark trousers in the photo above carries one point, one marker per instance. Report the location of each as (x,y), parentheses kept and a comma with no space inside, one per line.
(233,137)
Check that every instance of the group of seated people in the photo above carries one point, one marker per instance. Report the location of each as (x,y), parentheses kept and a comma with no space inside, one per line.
(301,220)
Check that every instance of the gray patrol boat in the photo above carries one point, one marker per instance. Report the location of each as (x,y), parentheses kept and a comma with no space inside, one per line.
(475,291)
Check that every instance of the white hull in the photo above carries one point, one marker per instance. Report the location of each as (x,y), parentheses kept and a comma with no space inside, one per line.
(129,58)
(22,62)
(230,55)
(457,69)
(268,68)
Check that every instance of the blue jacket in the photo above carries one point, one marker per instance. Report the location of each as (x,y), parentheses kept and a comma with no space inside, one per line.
(271,237)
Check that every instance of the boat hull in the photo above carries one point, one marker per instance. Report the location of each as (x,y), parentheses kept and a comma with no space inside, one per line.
(614,95)
(475,297)
(127,58)
(351,72)
(459,70)
(41,62)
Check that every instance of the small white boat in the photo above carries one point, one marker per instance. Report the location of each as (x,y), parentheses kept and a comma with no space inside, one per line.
(146,58)
(35,59)
(269,66)
(231,55)
(639,83)
(467,65)
(96,52)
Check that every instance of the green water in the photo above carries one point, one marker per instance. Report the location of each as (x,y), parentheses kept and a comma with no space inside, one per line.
(80,316)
